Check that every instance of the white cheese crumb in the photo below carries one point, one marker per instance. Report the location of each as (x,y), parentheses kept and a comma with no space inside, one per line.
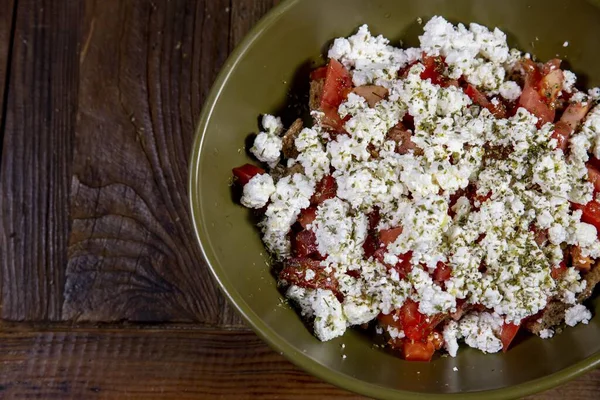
(566,44)
(455,369)
(510,90)
(546,333)
(576,314)
(569,81)
(257,191)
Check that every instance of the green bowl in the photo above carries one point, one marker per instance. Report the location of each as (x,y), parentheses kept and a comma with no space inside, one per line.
(268,73)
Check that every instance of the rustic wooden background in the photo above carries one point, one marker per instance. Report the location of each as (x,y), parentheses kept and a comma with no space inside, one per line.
(103,290)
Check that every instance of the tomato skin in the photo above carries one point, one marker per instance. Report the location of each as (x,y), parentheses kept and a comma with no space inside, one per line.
(532,101)
(387,236)
(338,83)
(562,133)
(593,176)
(434,69)
(325,189)
(246,172)
(403,267)
(591,213)
(319,73)
(307,216)
(442,272)
(508,333)
(418,351)
(497,110)
(304,243)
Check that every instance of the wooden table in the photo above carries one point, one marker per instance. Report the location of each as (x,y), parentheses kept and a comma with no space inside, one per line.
(104,293)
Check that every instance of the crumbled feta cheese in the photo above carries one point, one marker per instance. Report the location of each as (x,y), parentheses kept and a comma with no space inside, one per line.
(267,145)
(257,191)
(576,314)
(329,320)
(372,58)
(585,234)
(510,90)
(566,44)
(479,331)
(525,186)
(546,333)
(292,194)
(450,334)
(569,80)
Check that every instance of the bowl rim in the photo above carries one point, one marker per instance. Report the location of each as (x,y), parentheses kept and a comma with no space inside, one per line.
(276,342)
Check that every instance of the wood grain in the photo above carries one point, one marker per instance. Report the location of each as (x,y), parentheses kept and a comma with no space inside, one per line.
(36,161)
(99,108)
(159,364)
(146,68)
(150,364)
(7,17)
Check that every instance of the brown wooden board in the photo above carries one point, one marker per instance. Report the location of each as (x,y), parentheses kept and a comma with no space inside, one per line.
(161,364)
(100,100)
(36,163)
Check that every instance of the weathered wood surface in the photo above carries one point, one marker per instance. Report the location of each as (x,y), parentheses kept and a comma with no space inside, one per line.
(98,107)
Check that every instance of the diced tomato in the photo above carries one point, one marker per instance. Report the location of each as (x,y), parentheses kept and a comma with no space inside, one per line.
(402,136)
(533,75)
(246,172)
(437,339)
(403,72)
(558,271)
(418,351)
(294,272)
(403,266)
(387,236)
(326,189)
(319,73)
(579,261)
(532,101)
(480,198)
(508,333)
(373,94)
(434,69)
(371,245)
(442,272)
(304,243)
(593,176)
(374,218)
(562,133)
(575,113)
(498,110)
(338,83)
(551,86)
(594,162)
(411,318)
(551,65)
(307,216)
(591,213)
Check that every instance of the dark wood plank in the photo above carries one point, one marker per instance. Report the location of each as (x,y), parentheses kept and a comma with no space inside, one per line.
(244,15)
(146,68)
(35,169)
(7,16)
(201,364)
(151,364)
